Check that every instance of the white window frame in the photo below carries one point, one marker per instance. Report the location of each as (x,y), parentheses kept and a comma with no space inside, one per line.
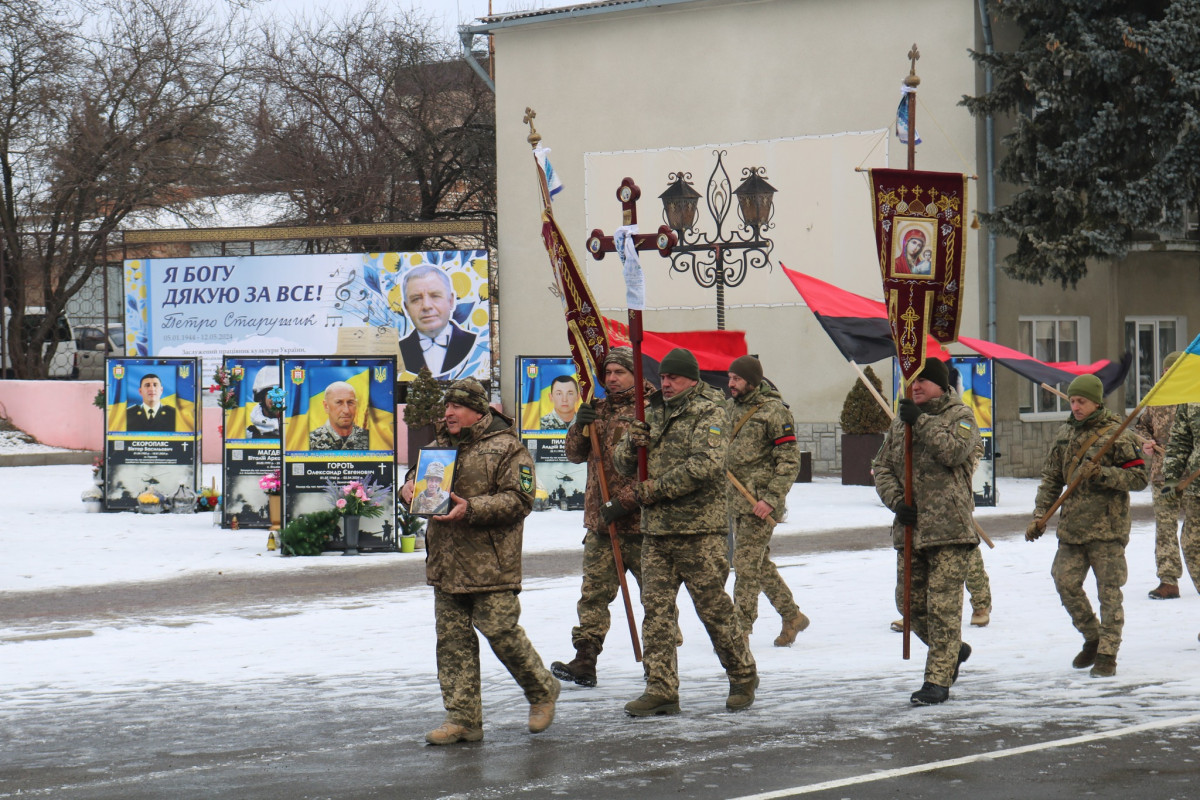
(1083,327)
(1181,341)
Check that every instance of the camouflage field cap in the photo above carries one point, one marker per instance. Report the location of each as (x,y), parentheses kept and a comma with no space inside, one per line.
(436,470)
(469,393)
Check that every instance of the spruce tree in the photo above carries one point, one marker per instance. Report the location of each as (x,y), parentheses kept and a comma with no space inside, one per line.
(1106,144)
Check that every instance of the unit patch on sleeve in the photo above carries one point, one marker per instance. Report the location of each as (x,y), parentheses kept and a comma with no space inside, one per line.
(526,473)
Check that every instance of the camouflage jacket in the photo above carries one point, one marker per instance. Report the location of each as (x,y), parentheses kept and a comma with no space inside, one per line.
(686,460)
(1183,451)
(612,420)
(1155,423)
(1097,511)
(325,438)
(494,473)
(945,442)
(763,454)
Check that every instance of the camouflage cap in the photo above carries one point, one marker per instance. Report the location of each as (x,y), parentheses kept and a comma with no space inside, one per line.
(621,356)
(435,470)
(468,393)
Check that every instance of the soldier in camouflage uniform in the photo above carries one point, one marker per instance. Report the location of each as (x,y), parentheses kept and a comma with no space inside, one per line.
(609,418)
(473,561)
(944,441)
(684,524)
(1154,425)
(762,454)
(1093,528)
(1182,460)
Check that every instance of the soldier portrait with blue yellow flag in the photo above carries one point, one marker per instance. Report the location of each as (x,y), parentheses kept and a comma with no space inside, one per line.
(340,405)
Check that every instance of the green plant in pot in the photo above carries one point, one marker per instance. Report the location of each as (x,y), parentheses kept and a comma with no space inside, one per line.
(863,424)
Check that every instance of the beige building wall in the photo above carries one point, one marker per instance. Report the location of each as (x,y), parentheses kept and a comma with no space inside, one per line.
(615,90)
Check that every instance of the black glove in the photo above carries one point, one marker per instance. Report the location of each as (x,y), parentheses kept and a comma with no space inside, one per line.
(586,414)
(1170,488)
(613,511)
(639,433)
(909,411)
(906,514)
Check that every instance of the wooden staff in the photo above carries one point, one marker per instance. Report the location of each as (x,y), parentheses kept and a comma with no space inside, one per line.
(751,499)
(887,409)
(616,547)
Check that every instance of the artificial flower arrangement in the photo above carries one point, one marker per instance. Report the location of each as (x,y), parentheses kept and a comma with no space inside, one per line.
(150,497)
(274,403)
(359,498)
(101,398)
(271,483)
(223,384)
(98,467)
(208,499)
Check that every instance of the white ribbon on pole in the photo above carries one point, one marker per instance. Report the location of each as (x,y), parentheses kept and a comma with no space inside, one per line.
(631,267)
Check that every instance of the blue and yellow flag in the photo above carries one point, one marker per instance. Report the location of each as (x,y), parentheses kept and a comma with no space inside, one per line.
(1181,383)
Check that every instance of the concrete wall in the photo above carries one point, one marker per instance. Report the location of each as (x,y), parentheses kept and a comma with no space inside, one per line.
(61,414)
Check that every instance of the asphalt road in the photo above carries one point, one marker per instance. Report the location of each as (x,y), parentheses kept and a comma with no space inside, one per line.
(284,740)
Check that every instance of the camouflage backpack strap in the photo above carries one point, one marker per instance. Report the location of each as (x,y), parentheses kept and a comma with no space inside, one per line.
(744,420)
(1074,463)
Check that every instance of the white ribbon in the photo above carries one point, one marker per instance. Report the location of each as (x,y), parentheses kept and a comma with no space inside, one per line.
(631,266)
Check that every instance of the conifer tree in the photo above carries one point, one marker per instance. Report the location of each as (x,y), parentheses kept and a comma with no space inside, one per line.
(1106,144)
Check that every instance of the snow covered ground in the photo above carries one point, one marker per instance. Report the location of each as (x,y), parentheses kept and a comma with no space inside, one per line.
(846,667)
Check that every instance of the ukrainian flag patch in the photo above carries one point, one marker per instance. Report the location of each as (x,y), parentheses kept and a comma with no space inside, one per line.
(714,430)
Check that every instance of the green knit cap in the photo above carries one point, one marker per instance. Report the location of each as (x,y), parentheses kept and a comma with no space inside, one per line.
(1089,387)
(1170,360)
(680,362)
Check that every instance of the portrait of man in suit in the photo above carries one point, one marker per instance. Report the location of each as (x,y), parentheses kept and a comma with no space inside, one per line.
(437,342)
(151,414)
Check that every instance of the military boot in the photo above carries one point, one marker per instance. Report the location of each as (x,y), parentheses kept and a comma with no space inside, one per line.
(791,627)
(651,705)
(581,669)
(1087,656)
(964,652)
(1105,667)
(930,694)
(741,695)
(453,733)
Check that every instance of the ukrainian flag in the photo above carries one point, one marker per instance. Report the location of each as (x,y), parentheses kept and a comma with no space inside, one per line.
(1181,383)
(186,382)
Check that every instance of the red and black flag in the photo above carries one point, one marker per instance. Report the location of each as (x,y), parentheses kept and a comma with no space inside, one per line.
(859,329)
(714,350)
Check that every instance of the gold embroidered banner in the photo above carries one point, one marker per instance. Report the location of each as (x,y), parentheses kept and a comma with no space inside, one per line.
(919,232)
(585,332)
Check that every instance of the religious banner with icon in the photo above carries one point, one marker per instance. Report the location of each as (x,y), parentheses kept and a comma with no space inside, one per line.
(253,431)
(152,431)
(921,245)
(339,426)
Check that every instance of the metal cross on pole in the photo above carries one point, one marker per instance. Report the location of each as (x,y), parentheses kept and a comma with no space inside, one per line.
(663,241)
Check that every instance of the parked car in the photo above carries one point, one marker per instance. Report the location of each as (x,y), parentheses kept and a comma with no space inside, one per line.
(93,345)
(62,365)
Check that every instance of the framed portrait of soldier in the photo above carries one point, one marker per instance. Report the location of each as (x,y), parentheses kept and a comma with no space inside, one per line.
(433,481)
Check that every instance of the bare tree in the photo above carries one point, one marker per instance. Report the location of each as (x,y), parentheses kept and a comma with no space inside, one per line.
(370,118)
(133,116)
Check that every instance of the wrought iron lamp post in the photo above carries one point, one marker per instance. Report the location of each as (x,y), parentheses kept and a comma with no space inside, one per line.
(724,257)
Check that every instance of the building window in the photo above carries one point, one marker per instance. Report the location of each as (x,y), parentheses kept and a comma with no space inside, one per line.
(1151,340)
(1051,339)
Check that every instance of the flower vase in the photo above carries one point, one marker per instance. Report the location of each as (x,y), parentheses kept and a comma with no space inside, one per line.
(350,533)
(275,509)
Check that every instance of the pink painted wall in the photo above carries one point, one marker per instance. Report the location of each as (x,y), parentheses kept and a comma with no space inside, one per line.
(61,414)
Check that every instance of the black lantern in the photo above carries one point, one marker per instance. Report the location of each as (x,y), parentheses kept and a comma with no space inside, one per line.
(754,199)
(679,203)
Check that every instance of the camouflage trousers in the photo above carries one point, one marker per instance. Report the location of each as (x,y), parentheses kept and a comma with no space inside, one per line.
(601,585)
(938,574)
(699,562)
(496,616)
(978,585)
(755,572)
(1107,561)
(1167,539)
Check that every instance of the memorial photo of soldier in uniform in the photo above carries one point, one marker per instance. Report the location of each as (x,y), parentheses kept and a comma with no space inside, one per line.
(151,414)
(434,477)
(339,432)
(564,393)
